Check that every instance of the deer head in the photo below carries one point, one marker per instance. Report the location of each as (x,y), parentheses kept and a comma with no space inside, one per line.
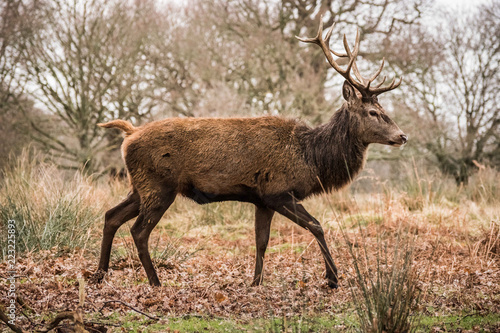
(361,97)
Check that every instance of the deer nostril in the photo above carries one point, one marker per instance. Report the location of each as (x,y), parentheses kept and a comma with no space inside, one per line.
(404,138)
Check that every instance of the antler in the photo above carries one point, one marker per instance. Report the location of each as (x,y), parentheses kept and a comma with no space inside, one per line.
(360,83)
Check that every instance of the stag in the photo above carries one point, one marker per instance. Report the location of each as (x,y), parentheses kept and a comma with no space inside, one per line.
(271,162)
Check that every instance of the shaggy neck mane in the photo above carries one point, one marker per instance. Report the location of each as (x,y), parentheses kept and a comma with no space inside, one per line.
(335,151)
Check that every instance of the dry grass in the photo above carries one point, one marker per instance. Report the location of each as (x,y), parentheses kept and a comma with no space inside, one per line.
(50,207)
(205,256)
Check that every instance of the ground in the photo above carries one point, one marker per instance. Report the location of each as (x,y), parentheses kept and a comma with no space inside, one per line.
(205,260)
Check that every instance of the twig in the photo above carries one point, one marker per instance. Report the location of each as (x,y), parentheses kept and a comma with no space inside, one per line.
(5,319)
(475,313)
(29,319)
(129,306)
(206,290)
(23,304)
(75,316)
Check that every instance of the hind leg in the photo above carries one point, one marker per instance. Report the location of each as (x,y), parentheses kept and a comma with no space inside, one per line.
(114,218)
(151,212)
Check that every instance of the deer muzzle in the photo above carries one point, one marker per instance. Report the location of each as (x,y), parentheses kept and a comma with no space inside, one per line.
(400,140)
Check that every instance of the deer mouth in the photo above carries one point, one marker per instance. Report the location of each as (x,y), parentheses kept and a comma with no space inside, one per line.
(395,144)
(402,139)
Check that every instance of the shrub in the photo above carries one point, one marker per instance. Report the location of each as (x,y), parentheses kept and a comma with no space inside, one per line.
(50,208)
(384,286)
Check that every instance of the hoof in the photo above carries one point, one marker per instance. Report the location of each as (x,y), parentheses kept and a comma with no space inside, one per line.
(154,282)
(332,280)
(332,284)
(255,283)
(97,277)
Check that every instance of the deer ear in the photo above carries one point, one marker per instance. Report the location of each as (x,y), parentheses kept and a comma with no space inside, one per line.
(349,92)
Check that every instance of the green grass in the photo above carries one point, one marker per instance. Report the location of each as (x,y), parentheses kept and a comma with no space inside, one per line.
(200,324)
(134,322)
(451,323)
(363,220)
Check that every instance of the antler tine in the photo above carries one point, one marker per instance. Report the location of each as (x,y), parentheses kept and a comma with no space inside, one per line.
(315,40)
(381,83)
(328,35)
(340,55)
(378,71)
(349,54)
(397,84)
(353,54)
(318,40)
(390,85)
(377,90)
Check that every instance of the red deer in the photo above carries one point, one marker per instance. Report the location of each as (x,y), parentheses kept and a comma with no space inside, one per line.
(271,162)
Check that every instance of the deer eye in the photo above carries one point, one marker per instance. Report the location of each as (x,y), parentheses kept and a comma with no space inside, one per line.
(373,113)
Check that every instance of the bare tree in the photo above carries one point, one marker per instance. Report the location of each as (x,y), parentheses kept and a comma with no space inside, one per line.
(472,99)
(16,24)
(242,54)
(86,66)
(454,79)
(18,21)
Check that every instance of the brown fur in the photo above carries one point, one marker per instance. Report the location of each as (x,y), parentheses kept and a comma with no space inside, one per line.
(269,161)
(123,125)
(219,157)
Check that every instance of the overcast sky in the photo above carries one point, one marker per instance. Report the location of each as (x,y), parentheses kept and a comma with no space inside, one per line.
(460,3)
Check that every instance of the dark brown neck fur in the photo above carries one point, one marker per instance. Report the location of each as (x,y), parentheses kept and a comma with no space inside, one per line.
(334,150)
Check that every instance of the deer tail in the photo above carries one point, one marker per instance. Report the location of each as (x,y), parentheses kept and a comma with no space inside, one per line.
(123,125)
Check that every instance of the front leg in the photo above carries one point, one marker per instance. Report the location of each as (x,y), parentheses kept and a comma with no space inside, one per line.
(297,213)
(263,217)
